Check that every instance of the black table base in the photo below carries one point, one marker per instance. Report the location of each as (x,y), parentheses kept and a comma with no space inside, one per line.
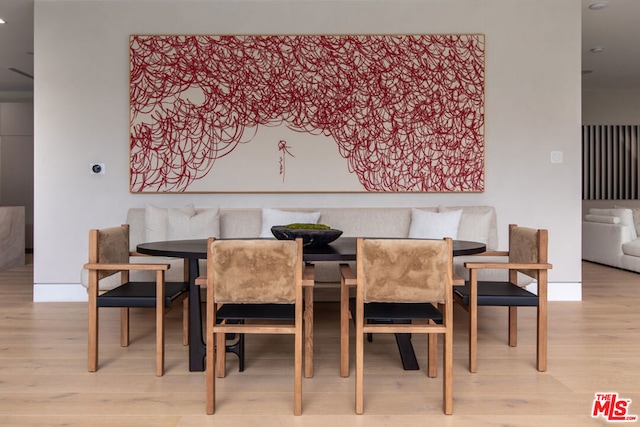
(407,355)
(197,347)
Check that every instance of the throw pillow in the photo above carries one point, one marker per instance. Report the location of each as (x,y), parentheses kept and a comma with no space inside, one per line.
(434,225)
(271,217)
(156,221)
(625,215)
(202,225)
(474,226)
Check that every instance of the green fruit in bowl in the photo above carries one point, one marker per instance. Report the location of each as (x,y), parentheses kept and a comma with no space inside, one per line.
(303,226)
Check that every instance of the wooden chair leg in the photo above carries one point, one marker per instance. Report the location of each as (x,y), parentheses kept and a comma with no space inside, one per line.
(221,361)
(448,372)
(93,335)
(185,321)
(308,332)
(344,330)
(359,363)
(297,375)
(210,363)
(513,326)
(432,357)
(211,374)
(473,342)
(432,362)
(124,327)
(541,359)
(160,311)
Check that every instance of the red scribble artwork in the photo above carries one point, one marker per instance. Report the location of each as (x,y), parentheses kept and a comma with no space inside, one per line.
(406,111)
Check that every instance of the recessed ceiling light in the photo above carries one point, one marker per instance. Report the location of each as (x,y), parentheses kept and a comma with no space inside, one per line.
(598,5)
(597,49)
(2,21)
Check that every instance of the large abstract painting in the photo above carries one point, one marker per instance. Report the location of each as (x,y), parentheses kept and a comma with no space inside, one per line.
(326,113)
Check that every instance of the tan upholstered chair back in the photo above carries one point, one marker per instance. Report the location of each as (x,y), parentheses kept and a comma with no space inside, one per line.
(109,246)
(528,245)
(404,270)
(254,271)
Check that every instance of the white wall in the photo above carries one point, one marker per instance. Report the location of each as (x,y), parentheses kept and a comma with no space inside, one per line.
(81,101)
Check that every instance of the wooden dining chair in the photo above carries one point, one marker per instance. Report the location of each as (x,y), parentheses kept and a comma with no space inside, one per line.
(528,254)
(259,281)
(402,286)
(109,255)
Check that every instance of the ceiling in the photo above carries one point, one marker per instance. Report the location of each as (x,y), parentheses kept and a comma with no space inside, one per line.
(16,46)
(614,28)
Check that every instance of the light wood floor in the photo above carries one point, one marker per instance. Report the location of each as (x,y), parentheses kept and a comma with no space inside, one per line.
(594,346)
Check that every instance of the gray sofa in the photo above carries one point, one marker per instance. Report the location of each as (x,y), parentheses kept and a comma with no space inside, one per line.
(477,223)
(610,233)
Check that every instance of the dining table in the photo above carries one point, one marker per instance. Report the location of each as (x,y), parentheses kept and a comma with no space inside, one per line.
(341,250)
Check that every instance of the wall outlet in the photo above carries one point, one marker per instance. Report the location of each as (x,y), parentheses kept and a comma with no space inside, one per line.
(96,168)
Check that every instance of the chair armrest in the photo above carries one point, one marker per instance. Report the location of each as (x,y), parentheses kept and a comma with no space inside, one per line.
(309,275)
(508,266)
(457,280)
(101,266)
(491,253)
(347,274)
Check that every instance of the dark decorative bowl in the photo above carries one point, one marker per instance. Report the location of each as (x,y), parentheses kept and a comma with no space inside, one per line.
(310,237)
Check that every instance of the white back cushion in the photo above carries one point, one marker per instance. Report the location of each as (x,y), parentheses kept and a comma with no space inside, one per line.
(434,225)
(202,225)
(156,221)
(271,217)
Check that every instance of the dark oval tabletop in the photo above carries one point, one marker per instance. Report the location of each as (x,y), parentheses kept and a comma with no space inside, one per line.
(343,249)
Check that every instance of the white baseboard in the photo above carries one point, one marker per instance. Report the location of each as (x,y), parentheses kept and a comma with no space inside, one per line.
(57,292)
(560,291)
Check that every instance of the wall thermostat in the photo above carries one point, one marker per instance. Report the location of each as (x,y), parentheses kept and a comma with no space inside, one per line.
(97,168)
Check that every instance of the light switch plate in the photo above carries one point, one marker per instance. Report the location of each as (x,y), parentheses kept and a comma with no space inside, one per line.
(556,157)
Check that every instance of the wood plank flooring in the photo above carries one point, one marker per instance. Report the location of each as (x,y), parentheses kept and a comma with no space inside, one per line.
(594,346)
